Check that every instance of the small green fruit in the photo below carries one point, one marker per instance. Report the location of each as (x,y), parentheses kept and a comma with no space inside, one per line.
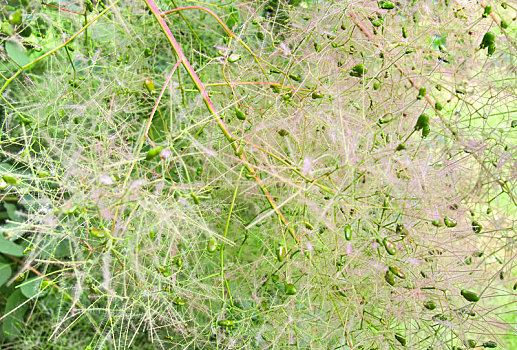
(15,18)
(430,305)
(226,323)
(290,289)
(149,85)
(394,270)
(348,232)
(386,5)
(147,52)
(389,246)
(358,70)
(212,245)
(469,295)
(449,222)
(153,152)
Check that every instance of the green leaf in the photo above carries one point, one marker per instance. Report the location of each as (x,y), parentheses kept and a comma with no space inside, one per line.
(11,211)
(14,315)
(17,52)
(30,288)
(5,272)
(11,248)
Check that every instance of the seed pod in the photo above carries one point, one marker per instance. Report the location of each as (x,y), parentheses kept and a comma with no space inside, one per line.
(295,77)
(358,70)
(239,114)
(195,198)
(386,5)
(421,93)
(488,39)
(504,24)
(153,152)
(515,286)
(389,278)
(469,295)
(389,246)
(233,58)
(290,289)
(283,132)
(401,339)
(476,226)
(149,85)
(212,245)
(491,50)
(317,46)
(348,232)
(316,95)
(281,252)
(438,106)
(422,122)
(179,301)
(376,85)
(430,305)
(226,323)
(488,11)
(308,226)
(400,147)
(89,6)
(147,52)
(377,22)
(395,270)
(15,18)
(97,233)
(490,343)
(436,223)
(425,131)
(449,222)
(404,33)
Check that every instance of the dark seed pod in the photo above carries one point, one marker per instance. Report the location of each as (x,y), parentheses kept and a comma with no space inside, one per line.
(490,343)
(400,147)
(476,226)
(469,295)
(283,132)
(401,339)
(404,33)
(147,52)
(430,305)
(438,106)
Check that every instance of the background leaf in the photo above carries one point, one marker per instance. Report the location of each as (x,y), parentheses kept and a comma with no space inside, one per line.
(11,248)
(17,52)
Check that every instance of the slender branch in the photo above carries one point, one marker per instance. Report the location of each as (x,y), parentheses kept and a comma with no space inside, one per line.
(211,107)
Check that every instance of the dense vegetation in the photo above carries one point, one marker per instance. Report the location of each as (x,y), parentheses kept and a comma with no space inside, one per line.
(263,174)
